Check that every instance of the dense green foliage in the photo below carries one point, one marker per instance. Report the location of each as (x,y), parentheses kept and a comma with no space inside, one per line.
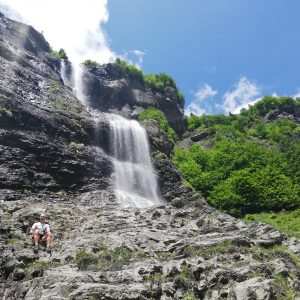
(130,69)
(286,222)
(254,163)
(61,54)
(90,63)
(155,114)
(161,82)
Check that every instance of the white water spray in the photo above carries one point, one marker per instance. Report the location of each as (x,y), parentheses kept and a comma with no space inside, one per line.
(66,77)
(136,184)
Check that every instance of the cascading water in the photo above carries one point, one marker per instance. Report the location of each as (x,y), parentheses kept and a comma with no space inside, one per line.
(135,182)
(65,75)
(72,77)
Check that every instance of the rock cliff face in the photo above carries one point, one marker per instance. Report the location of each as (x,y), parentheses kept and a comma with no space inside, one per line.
(110,88)
(54,157)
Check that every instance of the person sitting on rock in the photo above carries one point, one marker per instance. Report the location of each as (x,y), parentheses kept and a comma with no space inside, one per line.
(41,232)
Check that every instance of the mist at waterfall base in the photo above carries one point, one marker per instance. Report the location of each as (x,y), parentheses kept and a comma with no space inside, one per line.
(135,181)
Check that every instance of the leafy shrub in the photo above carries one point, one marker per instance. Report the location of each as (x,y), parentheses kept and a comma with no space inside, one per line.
(251,190)
(61,54)
(161,82)
(155,114)
(254,164)
(241,177)
(269,104)
(207,121)
(90,63)
(130,69)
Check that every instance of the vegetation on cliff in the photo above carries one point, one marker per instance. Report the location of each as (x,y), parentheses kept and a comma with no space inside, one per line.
(61,54)
(155,114)
(155,82)
(253,165)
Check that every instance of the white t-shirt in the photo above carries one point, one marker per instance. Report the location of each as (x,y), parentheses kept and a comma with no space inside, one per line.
(41,227)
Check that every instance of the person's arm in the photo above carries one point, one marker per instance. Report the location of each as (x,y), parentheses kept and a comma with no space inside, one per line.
(32,228)
(47,229)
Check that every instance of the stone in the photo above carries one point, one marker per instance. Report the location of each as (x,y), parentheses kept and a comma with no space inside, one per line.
(197,271)
(19,274)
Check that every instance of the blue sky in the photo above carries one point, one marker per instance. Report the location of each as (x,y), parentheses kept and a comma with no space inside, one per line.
(222,54)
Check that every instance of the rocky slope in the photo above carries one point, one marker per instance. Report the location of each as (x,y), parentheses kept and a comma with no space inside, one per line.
(55,158)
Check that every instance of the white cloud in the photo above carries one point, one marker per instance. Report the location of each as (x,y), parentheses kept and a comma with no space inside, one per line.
(198,106)
(134,57)
(245,93)
(297,95)
(196,109)
(76,26)
(205,92)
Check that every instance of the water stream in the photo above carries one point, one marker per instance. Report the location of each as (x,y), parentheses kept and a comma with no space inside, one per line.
(135,181)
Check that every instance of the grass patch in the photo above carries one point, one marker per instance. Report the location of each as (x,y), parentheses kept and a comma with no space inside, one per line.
(53,90)
(155,278)
(208,251)
(105,259)
(76,146)
(271,253)
(62,105)
(15,240)
(163,255)
(142,255)
(282,282)
(43,265)
(285,222)
(190,295)
(5,111)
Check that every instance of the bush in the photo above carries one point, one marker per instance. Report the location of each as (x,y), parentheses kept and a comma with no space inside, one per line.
(250,191)
(162,82)
(61,54)
(155,114)
(90,63)
(131,70)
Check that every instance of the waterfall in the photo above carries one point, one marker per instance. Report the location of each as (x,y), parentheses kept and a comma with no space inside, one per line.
(65,74)
(72,77)
(135,182)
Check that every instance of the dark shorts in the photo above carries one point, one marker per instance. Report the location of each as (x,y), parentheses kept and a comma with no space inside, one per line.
(42,237)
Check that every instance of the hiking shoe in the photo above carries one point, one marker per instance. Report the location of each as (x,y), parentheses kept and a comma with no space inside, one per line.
(36,249)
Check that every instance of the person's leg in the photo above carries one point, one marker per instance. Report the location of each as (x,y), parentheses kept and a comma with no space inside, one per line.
(36,237)
(49,239)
